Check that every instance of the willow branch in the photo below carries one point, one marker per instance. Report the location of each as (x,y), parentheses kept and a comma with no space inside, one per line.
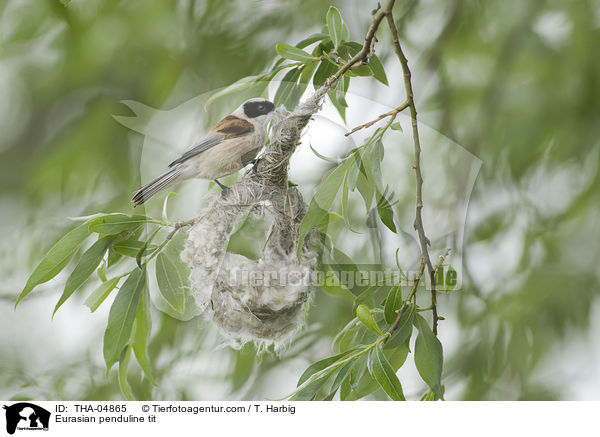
(411,294)
(272,169)
(391,113)
(418,224)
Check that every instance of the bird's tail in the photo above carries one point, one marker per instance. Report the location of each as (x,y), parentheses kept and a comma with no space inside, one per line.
(154,186)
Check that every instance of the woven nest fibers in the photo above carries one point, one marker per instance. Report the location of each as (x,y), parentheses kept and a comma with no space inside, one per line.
(244,272)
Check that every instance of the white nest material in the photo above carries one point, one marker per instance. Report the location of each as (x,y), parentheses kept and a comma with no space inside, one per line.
(262,301)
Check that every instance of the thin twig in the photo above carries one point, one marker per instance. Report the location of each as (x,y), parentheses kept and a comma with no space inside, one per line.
(393,112)
(412,292)
(423,240)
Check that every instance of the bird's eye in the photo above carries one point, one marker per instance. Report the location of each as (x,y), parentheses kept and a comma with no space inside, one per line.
(261,107)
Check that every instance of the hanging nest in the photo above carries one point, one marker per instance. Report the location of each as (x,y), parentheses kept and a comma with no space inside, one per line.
(261,300)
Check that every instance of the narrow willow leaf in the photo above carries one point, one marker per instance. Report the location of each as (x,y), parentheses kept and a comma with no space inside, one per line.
(132,247)
(251,83)
(339,379)
(325,70)
(345,338)
(320,365)
(357,372)
(376,156)
(366,318)
(287,92)
(322,200)
(397,356)
(345,192)
(404,330)
(362,383)
(333,286)
(384,374)
(337,96)
(116,223)
(56,259)
(122,316)
(113,257)
(385,212)
(171,276)
(140,254)
(311,40)
(366,295)
(88,263)
(308,392)
(393,302)
(323,157)
(428,356)
(364,179)
(100,294)
(396,126)
(378,70)
(305,77)
(335,25)
(123,366)
(294,53)
(143,326)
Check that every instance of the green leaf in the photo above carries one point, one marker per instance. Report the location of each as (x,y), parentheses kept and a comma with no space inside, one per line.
(305,77)
(116,223)
(308,392)
(123,366)
(311,40)
(113,257)
(404,330)
(56,259)
(340,378)
(323,157)
(143,326)
(140,254)
(397,356)
(347,336)
(366,318)
(396,126)
(335,25)
(251,84)
(428,356)
(337,96)
(294,53)
(322,200)
(325,70)
(132,247)
(384,374)
(378,70)
(364,179)
(393,302)
(171,275)
(361,381)
(122,316)
(320,365)
(88,263)
(100,294)
(287,94)
(335,288)
(385,211)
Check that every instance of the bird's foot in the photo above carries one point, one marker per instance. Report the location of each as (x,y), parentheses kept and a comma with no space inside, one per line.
(224,188)
(254,163)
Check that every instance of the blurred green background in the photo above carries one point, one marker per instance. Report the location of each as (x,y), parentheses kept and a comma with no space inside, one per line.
(515,83)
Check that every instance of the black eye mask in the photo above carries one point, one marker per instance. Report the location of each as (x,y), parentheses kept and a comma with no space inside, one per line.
(256,109)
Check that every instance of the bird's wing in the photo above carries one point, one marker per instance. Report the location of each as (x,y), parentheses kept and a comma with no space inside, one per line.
(230,127)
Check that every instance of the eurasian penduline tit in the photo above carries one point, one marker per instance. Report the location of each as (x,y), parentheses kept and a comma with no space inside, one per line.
(232,144)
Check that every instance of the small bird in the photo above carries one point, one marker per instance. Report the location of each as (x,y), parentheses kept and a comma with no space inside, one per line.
(232,144)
